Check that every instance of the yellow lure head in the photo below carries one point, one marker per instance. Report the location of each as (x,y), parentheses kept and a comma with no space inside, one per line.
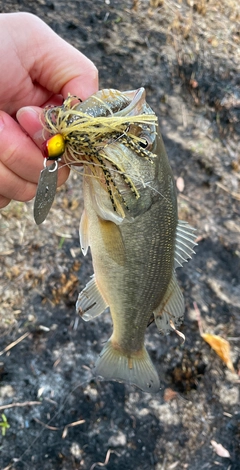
(54,147)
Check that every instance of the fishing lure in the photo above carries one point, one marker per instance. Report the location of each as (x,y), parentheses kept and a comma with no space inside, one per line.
(76,130)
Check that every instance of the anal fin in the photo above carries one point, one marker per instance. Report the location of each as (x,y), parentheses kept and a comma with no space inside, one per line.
(90,302)
(184,244)
(171,307)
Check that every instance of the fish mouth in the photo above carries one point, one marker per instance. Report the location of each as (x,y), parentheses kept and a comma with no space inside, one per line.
(106,116)
(137,98)
(114,103)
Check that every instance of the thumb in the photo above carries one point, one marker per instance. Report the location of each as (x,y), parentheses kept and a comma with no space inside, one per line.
(29,117)
(20,159)
(20,162)
(18,152)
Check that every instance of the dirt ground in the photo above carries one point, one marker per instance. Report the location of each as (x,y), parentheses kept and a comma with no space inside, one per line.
(186,55)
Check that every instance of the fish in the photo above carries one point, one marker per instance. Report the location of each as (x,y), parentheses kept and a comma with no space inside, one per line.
(130,222)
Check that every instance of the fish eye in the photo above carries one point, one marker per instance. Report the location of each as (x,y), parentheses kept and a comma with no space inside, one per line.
(145,142)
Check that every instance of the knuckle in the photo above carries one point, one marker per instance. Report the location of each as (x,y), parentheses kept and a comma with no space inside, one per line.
(11,151)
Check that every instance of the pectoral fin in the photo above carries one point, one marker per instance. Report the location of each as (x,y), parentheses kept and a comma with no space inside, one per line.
(90,302)
(171,307)
(113,241)
(83,233)
(185,241)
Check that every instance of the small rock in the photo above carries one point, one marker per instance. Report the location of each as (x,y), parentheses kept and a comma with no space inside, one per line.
(117,440)
(6,391)
(229,396)
(76,451)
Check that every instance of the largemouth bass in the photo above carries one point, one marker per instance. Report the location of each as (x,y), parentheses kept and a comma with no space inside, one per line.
(130,222)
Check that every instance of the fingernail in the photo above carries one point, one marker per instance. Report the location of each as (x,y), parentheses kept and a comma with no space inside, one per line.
(38,136)
(29,118)
(28,110)
(1,123)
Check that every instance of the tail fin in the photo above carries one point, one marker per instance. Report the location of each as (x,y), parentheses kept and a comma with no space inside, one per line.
(136,369)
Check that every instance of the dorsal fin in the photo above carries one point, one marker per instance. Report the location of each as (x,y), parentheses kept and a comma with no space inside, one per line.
(184,243)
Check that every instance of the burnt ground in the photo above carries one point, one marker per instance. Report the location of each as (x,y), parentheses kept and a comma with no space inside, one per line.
(186,55)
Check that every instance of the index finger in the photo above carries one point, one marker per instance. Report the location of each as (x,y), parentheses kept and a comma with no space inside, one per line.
(55,65)
(58,66)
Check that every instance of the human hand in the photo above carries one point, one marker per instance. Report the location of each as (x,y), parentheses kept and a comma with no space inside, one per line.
(37,68)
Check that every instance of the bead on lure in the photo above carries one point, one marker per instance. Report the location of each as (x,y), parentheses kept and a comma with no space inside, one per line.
(54,147)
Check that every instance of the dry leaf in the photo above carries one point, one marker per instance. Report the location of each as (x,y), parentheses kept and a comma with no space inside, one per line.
(169,394)
(221,347)
(74,204)
(220,450)
(193,83)
(214,42)
(156,3)
(173,465)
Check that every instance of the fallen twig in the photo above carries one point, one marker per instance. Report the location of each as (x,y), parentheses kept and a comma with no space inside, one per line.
(75,423)
(232,193)
(14,343)
(24,403)
(65,430)
(198,318)
(52,428)
(102,464)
